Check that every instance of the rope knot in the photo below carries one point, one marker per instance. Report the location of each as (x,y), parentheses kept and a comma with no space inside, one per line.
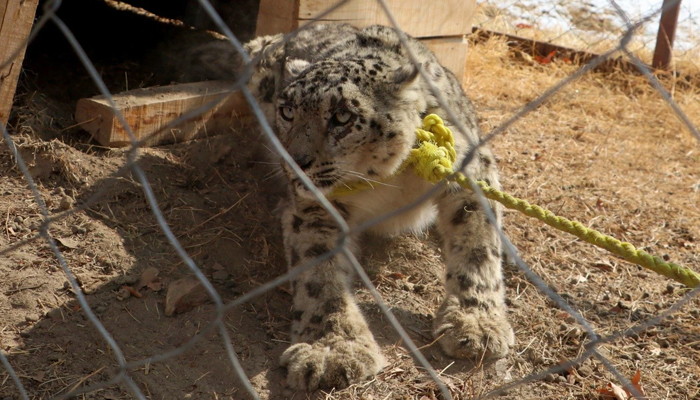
(433,158)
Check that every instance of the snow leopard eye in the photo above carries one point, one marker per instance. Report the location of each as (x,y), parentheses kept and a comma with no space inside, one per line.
(342,117)
(287,113)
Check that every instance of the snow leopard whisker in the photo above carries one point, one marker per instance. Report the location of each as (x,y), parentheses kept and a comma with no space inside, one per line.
(371,182)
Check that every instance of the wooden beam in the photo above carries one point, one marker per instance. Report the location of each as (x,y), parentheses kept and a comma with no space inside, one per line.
(418,18)
(148,111)
(440,25)
(17,18)
(451,52)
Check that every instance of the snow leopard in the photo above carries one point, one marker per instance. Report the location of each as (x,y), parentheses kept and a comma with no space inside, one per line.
(345,103)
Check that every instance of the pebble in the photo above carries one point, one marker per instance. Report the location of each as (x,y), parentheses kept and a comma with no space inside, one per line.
(221,275)
(636,357)
(65,204)
(77,229)
(53,357)
(550,378)
(31,317)
(670,359)
(584,371)
(123,294)
(561,379)
(419,288)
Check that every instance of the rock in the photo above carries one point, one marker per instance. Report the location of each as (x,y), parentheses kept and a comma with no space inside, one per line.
(31,317)
(68,243)
(77,229)
(185,294)
(584,371)
(147,276)
(220,275)
(125,280)
(66,203)
(123,293)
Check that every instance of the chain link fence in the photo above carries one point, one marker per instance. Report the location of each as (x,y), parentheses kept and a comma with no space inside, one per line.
(594,28)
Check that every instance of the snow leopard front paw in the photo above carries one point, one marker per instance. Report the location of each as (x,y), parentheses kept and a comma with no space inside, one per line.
(331,362)
(473,329)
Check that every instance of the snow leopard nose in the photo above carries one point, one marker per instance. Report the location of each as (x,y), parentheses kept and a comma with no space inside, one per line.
(304,161)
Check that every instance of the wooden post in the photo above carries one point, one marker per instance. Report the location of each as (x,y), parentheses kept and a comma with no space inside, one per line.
(17,17)
(666,35)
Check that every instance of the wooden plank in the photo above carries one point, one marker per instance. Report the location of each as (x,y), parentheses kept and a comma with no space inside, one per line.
(419,18)
(149,110)
(440,25)
(277,16)
(451,52)
(17,19)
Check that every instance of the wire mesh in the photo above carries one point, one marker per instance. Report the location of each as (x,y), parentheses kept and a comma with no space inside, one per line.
(590,29)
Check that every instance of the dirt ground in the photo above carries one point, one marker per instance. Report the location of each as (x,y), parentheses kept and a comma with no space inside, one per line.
(606,151)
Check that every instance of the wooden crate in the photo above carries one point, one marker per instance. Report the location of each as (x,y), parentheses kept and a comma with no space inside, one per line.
(17,18)
(441,25)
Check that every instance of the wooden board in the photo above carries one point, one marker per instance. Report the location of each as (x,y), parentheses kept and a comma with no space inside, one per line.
(451,52)
(17,17)
(440,25)
(418,18)
(149,110)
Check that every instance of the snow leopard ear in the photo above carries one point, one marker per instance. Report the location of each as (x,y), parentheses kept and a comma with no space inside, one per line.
(294,67)
(406,74)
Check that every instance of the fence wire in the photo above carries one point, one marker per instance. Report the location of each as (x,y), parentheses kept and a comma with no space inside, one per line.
(594,26)
(624,37)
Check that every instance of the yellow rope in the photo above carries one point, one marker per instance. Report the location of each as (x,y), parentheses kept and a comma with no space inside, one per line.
(433,160)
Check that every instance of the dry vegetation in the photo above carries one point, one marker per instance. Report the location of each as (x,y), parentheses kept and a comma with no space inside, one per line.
(606,150)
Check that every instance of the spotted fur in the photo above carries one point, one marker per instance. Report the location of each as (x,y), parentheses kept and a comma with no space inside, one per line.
(345,103)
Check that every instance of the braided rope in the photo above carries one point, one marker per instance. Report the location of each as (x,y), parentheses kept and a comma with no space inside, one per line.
(433,159)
